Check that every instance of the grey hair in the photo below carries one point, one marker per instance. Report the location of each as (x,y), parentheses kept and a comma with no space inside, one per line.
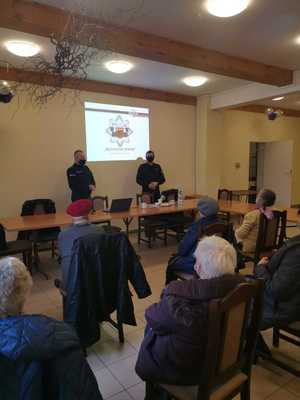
(15,284)
(215,256)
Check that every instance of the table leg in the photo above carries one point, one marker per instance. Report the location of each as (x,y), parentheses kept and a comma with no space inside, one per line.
(127,222)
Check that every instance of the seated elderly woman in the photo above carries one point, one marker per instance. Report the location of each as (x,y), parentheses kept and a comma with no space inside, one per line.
(40,358)
(247,233)
(177,326)
(184,260)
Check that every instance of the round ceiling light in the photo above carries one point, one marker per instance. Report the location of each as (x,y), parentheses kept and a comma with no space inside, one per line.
(118,66)
(278,98)
(195,81)
(225,9)
(22,48)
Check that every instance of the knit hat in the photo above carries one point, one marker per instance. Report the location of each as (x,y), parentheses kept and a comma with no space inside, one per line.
(208,206)
(80,208)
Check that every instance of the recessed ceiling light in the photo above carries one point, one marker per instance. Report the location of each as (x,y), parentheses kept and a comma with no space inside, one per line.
(297,40)
(195,81)
(22,48)
(5,83)
(278,98)
(228,8)
(119,66)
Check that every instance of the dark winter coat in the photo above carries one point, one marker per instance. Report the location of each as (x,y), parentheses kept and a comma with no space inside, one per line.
(176,338)
(100,268)
(40,359)
(282,284)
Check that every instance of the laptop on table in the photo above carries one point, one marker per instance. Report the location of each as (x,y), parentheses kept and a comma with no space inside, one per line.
(119,205)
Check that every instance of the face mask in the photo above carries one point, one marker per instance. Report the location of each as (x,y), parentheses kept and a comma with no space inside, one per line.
(150,158)
(82,162)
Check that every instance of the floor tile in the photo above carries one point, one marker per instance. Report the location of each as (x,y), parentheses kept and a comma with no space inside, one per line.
(137,392)
(283,394)
(135,338)
(121,396)
(107,383)
(111,351)
(124,371)
(293,386)
(94,361)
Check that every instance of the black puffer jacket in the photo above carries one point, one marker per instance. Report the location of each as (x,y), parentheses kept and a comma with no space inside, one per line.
(40,359)
(100,268)
(282,285)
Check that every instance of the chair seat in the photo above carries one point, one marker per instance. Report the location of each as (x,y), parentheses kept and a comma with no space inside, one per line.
(16,247)
(220,393)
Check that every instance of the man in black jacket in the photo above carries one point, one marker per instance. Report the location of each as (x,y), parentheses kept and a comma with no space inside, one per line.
(150,176)
(80,178)
(281,274)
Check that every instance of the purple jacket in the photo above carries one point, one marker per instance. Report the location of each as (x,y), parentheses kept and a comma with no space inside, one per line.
(174,346)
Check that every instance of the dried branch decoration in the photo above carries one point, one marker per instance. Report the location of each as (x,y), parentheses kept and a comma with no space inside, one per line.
(71,58)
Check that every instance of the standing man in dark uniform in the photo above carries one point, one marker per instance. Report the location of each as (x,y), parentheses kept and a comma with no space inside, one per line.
(80,178)
(150,176)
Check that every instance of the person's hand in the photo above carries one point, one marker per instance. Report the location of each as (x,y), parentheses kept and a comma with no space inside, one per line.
(264,261)
(151,185)
(92,188)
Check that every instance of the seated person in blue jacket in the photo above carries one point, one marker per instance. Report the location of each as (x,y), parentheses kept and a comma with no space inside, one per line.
(184,260)
(173,349)
(79,211)
(281,274)
(40,358)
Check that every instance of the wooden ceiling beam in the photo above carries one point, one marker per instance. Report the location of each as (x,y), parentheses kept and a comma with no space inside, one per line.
(18,75)
(43,20)
(260,108)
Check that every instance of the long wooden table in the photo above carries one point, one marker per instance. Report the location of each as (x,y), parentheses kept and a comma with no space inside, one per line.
(62,219)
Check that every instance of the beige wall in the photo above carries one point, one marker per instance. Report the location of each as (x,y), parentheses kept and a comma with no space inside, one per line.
(36,147)
(239,129)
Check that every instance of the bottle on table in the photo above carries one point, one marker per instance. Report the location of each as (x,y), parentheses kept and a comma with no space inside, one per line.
(180,198)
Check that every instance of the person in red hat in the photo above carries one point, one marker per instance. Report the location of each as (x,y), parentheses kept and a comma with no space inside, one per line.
(79,211)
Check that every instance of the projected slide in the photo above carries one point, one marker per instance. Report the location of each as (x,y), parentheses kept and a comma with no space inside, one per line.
(116,132)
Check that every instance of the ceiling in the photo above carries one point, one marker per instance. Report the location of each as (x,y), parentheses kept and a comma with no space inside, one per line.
(290,101)
(265,32)
(146,74)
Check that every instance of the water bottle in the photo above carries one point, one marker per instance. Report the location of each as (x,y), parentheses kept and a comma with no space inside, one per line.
(180,198)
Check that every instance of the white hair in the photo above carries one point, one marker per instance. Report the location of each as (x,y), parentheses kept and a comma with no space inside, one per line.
(15,284)
(215,257)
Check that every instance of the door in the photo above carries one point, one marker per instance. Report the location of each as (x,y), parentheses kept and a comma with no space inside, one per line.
(275,169)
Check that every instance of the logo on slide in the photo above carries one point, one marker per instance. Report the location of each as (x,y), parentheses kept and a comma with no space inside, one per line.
(119,130)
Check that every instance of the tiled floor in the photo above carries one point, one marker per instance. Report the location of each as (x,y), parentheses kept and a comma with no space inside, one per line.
(113,364)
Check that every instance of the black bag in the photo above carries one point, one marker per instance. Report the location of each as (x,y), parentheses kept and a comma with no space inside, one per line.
(3,243)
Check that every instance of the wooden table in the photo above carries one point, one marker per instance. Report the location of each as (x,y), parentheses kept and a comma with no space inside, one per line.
(62,219)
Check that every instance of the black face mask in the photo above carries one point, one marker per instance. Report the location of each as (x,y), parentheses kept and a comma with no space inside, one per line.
(150,158)
(82,162)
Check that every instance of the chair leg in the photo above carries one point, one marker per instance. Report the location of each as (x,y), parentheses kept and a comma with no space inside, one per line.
(275,337)
(166,237)
(53,248)
(121,332)
(245,393)
(139,231)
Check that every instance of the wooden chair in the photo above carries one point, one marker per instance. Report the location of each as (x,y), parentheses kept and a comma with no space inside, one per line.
(152,227)
(101,203)
(233,326)
(224,194)
(177,222)
(271,234)
(290,333)
(15,247)
(223,230)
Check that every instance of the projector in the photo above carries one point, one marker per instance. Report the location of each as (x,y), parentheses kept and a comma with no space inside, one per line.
(6,94)
(273,114)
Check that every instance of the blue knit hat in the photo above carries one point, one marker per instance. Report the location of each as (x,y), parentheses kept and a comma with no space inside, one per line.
(208,206)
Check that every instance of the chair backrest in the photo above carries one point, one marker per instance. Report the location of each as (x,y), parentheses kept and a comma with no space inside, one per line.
(37,207)
(224,194)
(271,233)
(170,194)
(3,243)
(99,203)
(144,198)
(233,326)
(221,229)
